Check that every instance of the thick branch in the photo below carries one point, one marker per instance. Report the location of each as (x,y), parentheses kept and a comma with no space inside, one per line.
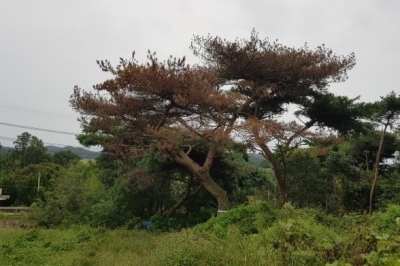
(210,158)
(164,118)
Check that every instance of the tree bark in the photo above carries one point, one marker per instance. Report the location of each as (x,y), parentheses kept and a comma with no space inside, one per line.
(280,177)
(203,175)
(276,167)
(215,190)
(276,163)
(376,169)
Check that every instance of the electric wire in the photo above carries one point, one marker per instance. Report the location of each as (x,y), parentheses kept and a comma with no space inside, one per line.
(39,129)
(35,111)
(49,143)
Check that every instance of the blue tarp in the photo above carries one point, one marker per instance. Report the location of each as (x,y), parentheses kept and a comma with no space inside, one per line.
(146,224)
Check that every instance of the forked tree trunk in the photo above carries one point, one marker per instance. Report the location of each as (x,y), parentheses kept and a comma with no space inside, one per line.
(276,163)
(203,175)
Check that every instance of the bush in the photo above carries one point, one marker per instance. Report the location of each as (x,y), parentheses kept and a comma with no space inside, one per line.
(303,240)
(248,218)
(389,221)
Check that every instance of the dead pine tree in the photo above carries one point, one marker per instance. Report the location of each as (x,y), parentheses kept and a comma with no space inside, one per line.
(168,105)
(270,77)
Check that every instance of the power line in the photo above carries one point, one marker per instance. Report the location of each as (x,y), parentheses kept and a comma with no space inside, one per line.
(39,129)
(36,111)
(45,130)
(7,138)
(57,144)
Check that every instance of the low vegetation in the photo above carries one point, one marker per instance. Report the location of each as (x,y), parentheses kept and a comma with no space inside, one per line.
(252,234)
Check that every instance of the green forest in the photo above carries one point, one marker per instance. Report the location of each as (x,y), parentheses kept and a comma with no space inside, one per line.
(246,158)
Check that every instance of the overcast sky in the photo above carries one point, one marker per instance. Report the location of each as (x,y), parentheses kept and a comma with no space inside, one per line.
(48,46)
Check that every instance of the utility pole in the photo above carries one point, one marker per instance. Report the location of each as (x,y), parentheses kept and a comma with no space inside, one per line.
(38,182)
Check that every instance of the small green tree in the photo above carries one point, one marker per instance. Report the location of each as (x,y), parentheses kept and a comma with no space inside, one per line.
(65,158)
(33,180)
(364,147)
(29,150)
(385,114)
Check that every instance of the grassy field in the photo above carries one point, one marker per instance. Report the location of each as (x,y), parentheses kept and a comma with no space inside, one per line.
(249,235)
(79,246)
(88,246)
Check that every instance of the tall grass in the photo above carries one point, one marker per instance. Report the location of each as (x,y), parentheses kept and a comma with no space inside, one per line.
(259,235)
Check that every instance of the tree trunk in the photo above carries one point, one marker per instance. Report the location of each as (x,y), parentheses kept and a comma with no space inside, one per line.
(171,211)
(376,169)
(203,175)
(276,163)
(281,183)
(276,167)
(218,192)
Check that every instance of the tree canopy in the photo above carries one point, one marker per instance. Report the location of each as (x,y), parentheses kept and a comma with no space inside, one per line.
(178,108)
(168,105)
(270,76)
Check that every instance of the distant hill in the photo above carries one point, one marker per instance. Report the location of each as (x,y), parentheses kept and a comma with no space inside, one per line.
(258,160)
(81,152)
(254,158)
(5,149)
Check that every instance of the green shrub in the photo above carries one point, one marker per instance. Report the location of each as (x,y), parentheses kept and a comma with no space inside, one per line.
(248,218)
(161,223)
(389,221)
(51,247)
(303,241)
(194,248)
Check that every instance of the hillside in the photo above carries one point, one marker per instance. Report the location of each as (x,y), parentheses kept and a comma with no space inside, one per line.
(254,158)
(81,152)
(258,160)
